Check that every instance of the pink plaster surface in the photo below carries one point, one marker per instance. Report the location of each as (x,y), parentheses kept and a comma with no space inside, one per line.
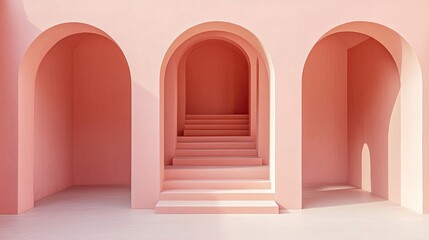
(53,120)
(373,88)
(344,213)
(217,79)
(324,123)
(102,114)
(146,32)
(12,47)
(82,116)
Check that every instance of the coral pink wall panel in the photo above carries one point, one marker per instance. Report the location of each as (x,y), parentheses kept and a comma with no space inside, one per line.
(102,120)
(53,120)
(373,87)
(16,34)
(217,79)
(324,114)
(8,111)
(170,110)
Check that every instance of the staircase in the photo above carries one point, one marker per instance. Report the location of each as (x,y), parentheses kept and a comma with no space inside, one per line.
(216,169)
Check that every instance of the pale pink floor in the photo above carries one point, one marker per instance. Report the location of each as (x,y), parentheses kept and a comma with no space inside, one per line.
(104,213)
(335,195)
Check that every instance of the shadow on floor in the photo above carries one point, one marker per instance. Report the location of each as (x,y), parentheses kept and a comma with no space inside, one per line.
(335,195)
(89,197)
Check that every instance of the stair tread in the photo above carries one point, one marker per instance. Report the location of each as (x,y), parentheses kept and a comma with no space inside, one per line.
(218,152)
(217,180)
(216,157)
(209,126)
(217,121)
(220,124)
(216,145)
(219,191)
(216,184)
(217,116)
(219,142)
(196,139)
(216,149)
(217,203)
(213,167)
(216,132)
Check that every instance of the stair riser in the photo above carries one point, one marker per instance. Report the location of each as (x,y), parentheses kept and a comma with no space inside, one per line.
(216,126)
(217,210)
(217,121)
(216,152)
(217,116)
(201,139)
(216,196)
(217,162)
(227,173)
(169,185)
(215,132)
(215,145)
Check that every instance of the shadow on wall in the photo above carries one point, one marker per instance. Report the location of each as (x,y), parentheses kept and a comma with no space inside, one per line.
(145,188)
(16,35)
(350,86)
(373,87)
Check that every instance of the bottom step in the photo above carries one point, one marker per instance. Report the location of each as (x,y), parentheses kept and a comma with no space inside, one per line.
(216,207)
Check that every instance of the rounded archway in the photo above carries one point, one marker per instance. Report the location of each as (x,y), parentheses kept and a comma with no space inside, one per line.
(369,92)
(74,113)
(215,113)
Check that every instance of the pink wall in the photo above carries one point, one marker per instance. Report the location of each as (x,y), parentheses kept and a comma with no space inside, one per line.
(217,79)
(53,120)
(82,116)
(372,91)
(102,114)
(324,113)
(17,33)
(150,29)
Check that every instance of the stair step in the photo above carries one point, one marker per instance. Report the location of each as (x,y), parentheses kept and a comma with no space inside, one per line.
(216,132)
(217,172)
(215,145)
(217,116)
(216,161)
(223,152)
(217,121)
(216,207)
(216,126)
(217,194)
(217,184)
(199,139)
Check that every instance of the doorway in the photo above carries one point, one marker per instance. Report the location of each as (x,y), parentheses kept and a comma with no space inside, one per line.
(354,136)
(81,128)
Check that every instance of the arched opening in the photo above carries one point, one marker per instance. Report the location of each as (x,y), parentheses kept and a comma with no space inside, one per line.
(217,79)
(75,84)
(215,122)
(366,169)
(359,93)
(213,82)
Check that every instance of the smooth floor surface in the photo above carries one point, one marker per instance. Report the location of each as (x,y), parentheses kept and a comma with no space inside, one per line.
(104,213)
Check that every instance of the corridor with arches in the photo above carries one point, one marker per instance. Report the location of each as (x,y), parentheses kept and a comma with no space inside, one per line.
(216,150)
(281,119)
